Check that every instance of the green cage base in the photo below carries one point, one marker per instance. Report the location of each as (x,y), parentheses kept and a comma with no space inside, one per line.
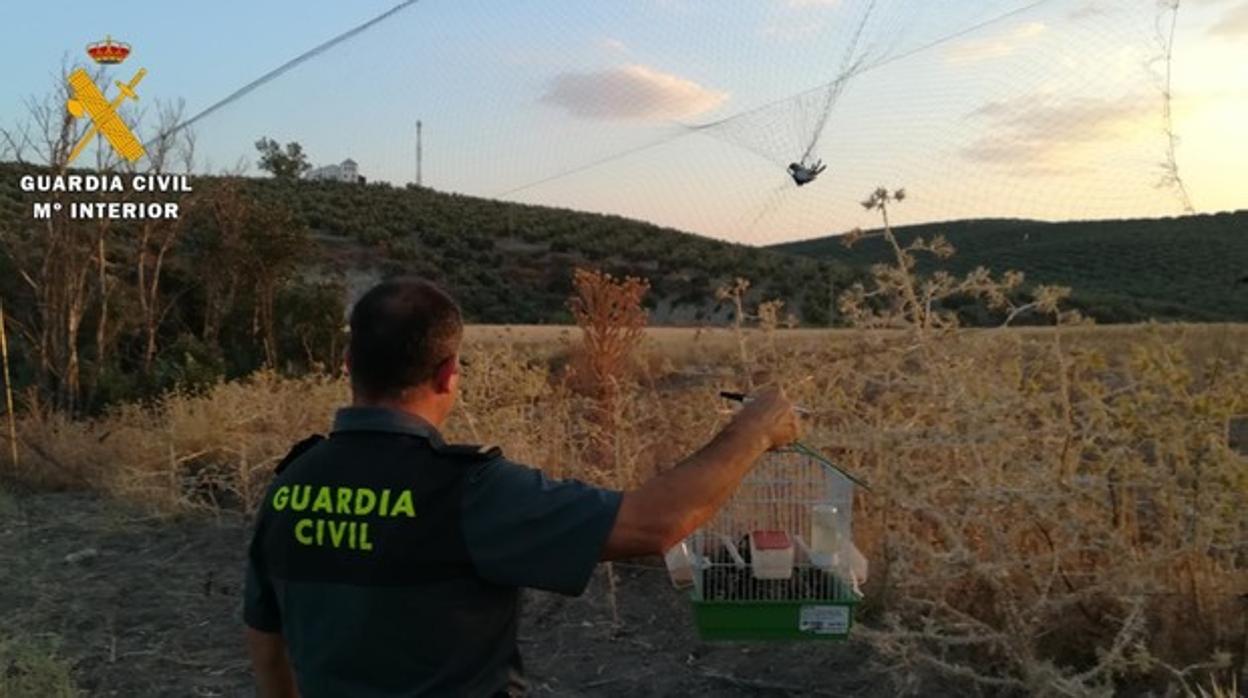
(773,620)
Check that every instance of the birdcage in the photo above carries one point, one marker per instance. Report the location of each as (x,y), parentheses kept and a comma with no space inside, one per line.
(778,561)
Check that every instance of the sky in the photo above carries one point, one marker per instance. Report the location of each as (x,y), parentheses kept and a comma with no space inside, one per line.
(686,112)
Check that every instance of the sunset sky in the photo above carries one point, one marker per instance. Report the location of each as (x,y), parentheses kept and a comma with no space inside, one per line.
(1049,109)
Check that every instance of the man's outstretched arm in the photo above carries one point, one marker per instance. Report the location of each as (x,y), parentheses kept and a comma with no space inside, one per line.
(673,504)
(274,677)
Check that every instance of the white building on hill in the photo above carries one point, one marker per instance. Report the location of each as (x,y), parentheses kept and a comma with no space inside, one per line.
(346,171)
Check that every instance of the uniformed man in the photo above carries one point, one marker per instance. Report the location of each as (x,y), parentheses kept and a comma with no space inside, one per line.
(386,562)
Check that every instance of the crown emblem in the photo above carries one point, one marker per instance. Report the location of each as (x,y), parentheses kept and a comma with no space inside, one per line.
(108,52)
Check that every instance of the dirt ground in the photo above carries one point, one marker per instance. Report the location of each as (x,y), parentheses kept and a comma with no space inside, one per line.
(140,605)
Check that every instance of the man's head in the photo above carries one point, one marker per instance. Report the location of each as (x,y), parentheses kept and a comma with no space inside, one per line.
(404,349)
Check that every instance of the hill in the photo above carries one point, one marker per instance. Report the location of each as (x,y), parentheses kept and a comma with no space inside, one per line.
(1182,268)
(505,262)
(512,263)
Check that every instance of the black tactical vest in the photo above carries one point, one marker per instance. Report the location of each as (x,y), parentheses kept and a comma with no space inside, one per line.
(360,536)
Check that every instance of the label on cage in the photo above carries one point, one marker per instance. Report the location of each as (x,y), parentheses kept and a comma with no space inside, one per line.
(824,620)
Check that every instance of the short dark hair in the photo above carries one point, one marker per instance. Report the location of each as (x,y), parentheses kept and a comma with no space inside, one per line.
(401,331)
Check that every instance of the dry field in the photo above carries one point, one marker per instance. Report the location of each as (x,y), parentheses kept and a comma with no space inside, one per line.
(689,345)
(1056,511)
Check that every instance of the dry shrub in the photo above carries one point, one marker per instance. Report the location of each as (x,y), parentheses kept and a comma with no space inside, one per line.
(1040,523)
(514,399)
(612,320)
(214,449)
(506,398)
(1026,519)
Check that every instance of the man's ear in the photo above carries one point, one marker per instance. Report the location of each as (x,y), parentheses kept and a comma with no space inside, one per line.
(444,379)
(346,362)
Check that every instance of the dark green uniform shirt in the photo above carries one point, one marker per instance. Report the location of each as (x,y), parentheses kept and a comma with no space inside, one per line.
(391,561)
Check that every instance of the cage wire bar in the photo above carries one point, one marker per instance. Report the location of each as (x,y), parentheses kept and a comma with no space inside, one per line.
(778,561)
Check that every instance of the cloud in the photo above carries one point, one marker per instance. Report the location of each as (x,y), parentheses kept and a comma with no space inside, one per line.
(613,44)
(1035,136)
(994,47)
(630,92)
(1232,24)
(812,3)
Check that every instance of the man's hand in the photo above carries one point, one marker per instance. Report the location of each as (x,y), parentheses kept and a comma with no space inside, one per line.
(671,505)
(770,413)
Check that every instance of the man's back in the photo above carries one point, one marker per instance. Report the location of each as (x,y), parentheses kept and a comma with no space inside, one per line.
(362,561)
(369,569)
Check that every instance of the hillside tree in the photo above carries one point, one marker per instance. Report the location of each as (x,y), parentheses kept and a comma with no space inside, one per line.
(289,163)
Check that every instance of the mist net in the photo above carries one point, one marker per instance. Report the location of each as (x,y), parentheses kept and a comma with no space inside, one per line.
(687,113)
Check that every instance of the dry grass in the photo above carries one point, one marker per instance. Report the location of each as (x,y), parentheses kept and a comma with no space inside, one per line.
(210,450)
(32,668)
(1229,689)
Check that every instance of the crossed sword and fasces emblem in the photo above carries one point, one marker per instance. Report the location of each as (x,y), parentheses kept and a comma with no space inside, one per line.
(90,101)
